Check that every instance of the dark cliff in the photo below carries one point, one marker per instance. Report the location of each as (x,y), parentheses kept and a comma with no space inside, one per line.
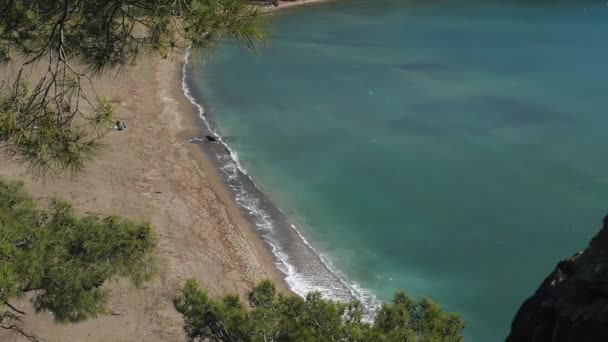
(572,303)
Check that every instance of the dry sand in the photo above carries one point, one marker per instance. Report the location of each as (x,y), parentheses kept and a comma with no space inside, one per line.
(151,172)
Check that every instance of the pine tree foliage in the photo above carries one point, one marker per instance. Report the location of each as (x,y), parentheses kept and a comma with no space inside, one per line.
(278,317)
(64,260)
(54,123)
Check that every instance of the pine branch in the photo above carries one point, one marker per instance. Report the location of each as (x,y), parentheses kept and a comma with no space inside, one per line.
(14,309)
(10,321)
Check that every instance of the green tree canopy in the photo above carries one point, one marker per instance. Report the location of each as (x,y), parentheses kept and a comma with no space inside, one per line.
(64,260)
(278,317)
(55,122)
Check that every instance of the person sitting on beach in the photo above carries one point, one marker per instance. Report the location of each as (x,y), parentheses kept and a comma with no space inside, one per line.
(120,126)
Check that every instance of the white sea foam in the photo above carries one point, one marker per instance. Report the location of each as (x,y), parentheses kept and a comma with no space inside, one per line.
(300,282)
(365,296)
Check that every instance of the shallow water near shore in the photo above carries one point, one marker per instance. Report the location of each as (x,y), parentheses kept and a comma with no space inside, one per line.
(448,148)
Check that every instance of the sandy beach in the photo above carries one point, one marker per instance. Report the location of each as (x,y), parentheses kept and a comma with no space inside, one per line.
(290,4)
(151,172)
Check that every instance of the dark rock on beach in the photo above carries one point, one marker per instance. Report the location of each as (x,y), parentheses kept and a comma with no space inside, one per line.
(571,305)
(211,138)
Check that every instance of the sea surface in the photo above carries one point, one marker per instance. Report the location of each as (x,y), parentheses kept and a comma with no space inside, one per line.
(455,149)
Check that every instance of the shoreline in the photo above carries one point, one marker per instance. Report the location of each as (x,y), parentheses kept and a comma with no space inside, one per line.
(290,4)
(218,184)
(297,267)
(301,267)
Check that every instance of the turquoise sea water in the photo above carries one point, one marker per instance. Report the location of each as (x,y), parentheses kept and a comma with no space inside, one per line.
(454,149)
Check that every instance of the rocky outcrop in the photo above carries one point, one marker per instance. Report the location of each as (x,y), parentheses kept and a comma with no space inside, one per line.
(572,303)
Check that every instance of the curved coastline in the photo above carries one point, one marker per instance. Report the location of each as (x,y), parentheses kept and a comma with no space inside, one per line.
(303,268)
(291,4)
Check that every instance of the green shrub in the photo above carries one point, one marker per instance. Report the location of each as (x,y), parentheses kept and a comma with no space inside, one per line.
(64,260)
(280,317)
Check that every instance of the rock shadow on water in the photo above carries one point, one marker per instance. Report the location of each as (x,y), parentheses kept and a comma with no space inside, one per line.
(421,67)
(512,111)
(430,119)
(474,116)
(411,125)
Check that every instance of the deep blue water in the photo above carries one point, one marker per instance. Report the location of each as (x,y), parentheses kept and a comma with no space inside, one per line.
(448,148)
